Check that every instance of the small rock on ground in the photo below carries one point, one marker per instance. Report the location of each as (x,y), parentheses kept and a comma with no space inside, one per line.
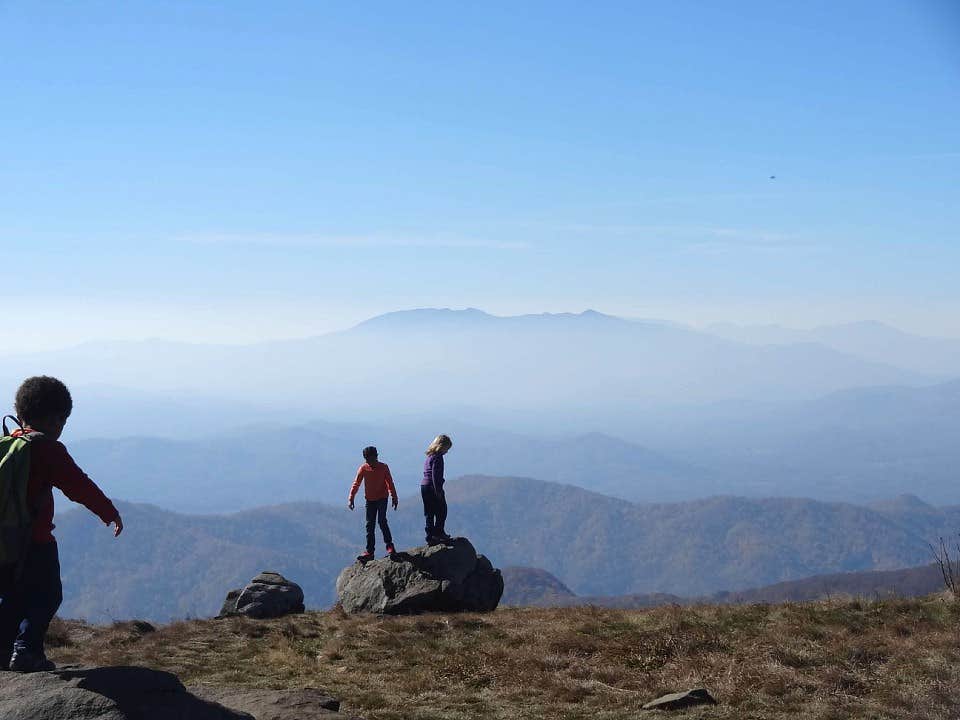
(680,700)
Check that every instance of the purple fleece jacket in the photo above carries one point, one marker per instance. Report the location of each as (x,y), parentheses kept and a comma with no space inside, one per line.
(433,472)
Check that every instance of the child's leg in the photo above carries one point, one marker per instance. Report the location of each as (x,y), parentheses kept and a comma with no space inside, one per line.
(371,524)
(441,514)
(11,613)
(42,595)
(382,519)
(426,493)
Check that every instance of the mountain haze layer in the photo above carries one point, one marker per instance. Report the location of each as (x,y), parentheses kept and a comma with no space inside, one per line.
(870,340)
(532,370)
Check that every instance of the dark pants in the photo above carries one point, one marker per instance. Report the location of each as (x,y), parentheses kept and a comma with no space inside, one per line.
(377,512)
(28,604)
(434,510)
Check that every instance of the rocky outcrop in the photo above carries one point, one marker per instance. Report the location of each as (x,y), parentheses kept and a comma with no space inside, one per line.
(137,693)
(446,578)
(268,595)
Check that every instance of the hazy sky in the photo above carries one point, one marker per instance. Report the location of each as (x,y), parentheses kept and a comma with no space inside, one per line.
(240,170)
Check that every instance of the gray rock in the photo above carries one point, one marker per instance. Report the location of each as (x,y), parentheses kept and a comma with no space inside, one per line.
(448,578)
(680,700)
(114,693)
(268,595)
(304,704)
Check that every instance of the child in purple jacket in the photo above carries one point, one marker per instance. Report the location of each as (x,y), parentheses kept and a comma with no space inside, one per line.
(431,490)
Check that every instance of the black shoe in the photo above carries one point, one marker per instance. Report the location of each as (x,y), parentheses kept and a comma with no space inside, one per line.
(434,540)
(443,536)
(27,662)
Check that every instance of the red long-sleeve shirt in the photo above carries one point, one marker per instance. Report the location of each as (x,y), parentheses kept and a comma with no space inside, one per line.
(377,482)
(52,467)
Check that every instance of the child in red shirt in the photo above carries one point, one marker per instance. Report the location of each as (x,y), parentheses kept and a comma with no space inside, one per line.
(30,590)
(377,485)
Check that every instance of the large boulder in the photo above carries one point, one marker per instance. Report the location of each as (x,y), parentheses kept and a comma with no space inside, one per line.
(446,578)
(113,693)
(138,693)
(268,595)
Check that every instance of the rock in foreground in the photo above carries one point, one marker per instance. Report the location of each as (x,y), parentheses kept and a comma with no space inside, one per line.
(115,693)
(138,693)
(445,578)
(303,704)
(268,595)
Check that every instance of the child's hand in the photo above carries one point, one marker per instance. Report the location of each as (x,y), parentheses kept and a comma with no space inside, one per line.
(350,505)
(118,522)
(395,501)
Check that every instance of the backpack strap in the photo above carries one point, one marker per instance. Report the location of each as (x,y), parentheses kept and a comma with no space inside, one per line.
(6,432)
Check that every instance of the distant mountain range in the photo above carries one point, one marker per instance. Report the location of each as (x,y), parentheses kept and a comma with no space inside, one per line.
(318,461)
(578,372)
(526,586)
(869,340)
(168,565)
(643,410)
(853,446)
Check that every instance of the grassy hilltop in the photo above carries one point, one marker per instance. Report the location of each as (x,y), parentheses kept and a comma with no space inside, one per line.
(828,660)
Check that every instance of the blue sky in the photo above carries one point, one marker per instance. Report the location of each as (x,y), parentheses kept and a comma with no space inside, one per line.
(238,171)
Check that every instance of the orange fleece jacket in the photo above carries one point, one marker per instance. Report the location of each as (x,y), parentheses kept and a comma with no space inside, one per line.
(377,482)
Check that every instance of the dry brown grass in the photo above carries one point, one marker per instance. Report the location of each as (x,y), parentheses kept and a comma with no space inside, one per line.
(831,661)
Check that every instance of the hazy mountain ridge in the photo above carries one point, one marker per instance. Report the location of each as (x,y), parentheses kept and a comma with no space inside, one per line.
(586,365)
(867,339)
(234,471)
(536,587)
(168,565)
(856,446)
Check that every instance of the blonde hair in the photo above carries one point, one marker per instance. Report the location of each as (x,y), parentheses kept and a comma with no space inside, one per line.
(439,444)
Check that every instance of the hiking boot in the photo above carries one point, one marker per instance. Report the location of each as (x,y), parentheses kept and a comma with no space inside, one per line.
(365,557)
(27,662)
(434,540)
(391,550)
(443,536)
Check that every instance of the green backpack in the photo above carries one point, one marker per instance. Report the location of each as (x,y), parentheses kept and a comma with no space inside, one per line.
(16,519)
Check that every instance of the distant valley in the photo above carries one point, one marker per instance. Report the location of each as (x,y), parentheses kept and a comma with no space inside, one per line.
(643,410)
(852,446)
(168,565)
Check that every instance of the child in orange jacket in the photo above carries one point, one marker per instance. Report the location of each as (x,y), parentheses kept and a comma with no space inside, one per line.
(377,485)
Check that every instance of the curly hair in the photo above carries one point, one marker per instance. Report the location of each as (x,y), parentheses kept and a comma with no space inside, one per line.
(43,397)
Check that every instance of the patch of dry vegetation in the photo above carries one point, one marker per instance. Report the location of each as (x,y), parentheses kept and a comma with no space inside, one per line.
(830,660)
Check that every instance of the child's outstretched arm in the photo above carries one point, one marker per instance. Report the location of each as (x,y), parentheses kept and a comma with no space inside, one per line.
(77,486)
(354,488)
